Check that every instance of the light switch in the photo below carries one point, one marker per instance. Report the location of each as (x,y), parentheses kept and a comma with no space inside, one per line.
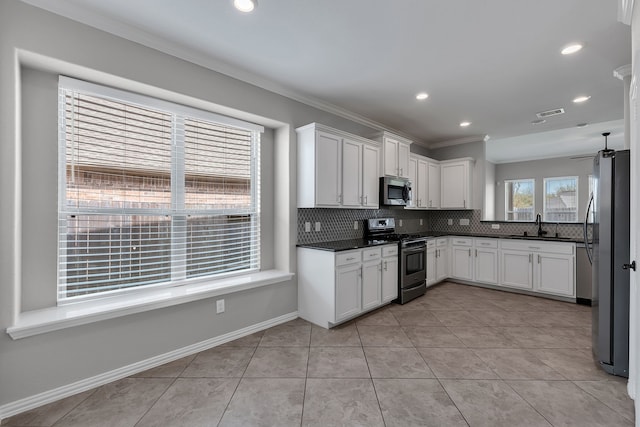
(307,227)
(464,221)
(355,225)
(450,221)
(317,226)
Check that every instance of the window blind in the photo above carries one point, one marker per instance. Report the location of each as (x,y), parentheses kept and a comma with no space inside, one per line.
(151,196)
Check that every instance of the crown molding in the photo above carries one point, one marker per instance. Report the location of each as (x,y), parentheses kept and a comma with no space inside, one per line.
(625,11)
(160,44)
(465,140)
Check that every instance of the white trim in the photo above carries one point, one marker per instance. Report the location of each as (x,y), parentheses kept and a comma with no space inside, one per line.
(625,11)
(31,402)
(66,316)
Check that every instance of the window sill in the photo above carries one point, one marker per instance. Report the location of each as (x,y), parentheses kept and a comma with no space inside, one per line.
(37,322)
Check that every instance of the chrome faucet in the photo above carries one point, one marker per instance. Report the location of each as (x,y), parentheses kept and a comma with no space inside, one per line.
(541,232)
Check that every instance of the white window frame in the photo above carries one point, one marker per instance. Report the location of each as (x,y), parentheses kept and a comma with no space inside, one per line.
(178,278)
(506,195)
(544,197)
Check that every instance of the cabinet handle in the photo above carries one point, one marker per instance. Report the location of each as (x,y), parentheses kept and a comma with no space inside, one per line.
(366,200)
(530,256)
(430,203)
(534,247)
(538,259)
(464,203)
(372,255)
(350,258)
(385,266)
(469,251)
(401,170)
(437,250)
(476,253)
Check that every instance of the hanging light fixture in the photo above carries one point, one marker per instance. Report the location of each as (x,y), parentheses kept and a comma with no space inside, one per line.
(245,5)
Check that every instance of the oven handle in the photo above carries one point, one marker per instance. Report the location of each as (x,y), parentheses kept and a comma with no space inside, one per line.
(414,249)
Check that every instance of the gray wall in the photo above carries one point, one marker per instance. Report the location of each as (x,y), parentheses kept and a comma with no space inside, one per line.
(540,169)
(28,190)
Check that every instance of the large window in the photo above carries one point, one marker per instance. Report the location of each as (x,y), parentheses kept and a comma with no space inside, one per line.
(519,200)
(561,199)
(151,193)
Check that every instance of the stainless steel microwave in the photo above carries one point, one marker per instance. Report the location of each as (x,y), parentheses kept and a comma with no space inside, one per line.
(395,191)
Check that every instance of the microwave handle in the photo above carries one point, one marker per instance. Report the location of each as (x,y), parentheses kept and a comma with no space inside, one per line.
(406,193)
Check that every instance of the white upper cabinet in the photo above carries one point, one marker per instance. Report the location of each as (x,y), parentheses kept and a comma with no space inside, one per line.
(433,178)
(455,185)
(395,161)
(413,177)
(422,195)
(336,169)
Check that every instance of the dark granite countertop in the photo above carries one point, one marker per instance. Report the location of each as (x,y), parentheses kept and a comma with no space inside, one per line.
(345,245)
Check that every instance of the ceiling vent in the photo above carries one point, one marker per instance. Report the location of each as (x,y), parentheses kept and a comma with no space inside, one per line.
(549,113)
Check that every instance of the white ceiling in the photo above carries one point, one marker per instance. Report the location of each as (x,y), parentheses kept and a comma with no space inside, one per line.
(493,62)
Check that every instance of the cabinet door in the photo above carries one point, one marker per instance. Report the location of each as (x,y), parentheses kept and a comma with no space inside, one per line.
(554,274)
(413,178)
(403,160)
(390,159)
(351,173)
(516,269)
(389,279)
(328,156)
(431,266)
(442,263)
(370,176)
(348,291)
(371,284)
(461,262)
(486,265)
(423,184)
(433,178)
(453,185)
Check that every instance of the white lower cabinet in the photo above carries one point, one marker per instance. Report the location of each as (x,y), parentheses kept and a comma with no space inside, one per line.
(337,286)
(389,273)
(545,267)
(432,276)
(461,258)
(516,269)
(348,289)
(442,258)
(371,278)
(485,266)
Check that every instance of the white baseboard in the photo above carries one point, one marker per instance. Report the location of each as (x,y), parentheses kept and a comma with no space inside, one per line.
(32,402)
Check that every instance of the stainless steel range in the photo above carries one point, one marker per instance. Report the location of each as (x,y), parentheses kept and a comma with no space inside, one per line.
(412,272)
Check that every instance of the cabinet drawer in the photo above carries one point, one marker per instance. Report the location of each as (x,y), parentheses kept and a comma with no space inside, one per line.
(462,241)
(431,243)
(538,246)
(351,257)
(486,243)
(389,251)
(371,254)
(442,242)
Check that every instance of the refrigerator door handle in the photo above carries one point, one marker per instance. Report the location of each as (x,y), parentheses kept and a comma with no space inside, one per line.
(584,230)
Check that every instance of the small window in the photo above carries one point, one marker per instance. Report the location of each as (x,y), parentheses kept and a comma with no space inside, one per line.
(561,199)
(519,199)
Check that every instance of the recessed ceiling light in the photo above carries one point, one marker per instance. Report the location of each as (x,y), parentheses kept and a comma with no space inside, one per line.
(245,5)
(464,124)
(581,99)
(422,96)
(582,125)
(538,122)
(572,48)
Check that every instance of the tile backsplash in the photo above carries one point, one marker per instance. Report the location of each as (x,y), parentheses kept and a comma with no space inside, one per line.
(337,224)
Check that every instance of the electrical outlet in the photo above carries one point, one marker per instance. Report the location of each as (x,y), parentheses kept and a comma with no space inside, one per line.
(464,221)
(399,223)
(450,221)
(220,306)
(355,225)
(317,226)
(307,227)
(495,226)
(420,221)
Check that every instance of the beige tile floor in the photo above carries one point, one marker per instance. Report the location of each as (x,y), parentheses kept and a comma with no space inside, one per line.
(459,355)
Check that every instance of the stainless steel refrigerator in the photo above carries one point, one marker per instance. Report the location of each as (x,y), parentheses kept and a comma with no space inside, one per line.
(609,252)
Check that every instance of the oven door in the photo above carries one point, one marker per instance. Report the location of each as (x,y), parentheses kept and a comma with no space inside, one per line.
(413,265)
